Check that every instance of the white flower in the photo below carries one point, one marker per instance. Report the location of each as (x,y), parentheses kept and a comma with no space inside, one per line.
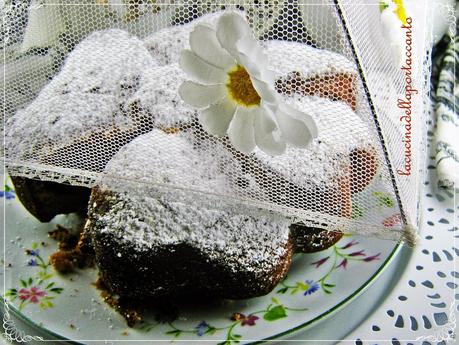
(235,91)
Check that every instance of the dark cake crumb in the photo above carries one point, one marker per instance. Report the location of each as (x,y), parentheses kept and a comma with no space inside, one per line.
(69,256)
(46,199)
(64,236)
(236,317)
(62,262)
(312,240)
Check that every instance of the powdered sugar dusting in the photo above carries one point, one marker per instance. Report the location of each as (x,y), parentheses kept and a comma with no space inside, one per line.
(161,158)
(285,57)
(166,44)
(242,241)
(327,157)
(99,75)
(158,96)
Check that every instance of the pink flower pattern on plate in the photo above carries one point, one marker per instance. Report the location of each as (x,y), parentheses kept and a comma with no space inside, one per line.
(33,295)
(249,320)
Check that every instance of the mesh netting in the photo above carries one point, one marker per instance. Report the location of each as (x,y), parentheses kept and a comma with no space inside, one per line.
(91,98)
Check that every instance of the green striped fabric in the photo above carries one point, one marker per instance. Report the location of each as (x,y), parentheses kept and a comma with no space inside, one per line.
(445,82)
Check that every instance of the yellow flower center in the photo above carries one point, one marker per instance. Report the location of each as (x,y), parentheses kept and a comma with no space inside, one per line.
(399,11)
(240,87)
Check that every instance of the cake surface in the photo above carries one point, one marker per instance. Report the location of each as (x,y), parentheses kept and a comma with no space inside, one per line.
(326,158)
(89,93)
(79,119)
(157,97)
(166,44)
(341,130)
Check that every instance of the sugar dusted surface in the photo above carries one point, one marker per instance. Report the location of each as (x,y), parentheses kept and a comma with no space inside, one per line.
(285,57)
(327,157)
(158,96)
(111,71)
(153,223)
(242,241)
(98,76)
(165,45)
(161,158)
(340,128)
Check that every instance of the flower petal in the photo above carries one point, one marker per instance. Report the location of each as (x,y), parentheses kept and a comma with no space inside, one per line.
(250,65)
(302,116)
(200,70)
(264,90)
(265,133)
(216,119)
(297,127)
(200,96)
(251,55)
(204,43)
(230,28)
(241,131)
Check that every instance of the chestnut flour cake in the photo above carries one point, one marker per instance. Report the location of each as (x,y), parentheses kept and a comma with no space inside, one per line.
(152,246)
(307,78)
(100,102)
(303,68)
(317,80)
(89,93)
(82,110)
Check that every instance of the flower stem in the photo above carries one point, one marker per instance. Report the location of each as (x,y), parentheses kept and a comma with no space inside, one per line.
(296,309)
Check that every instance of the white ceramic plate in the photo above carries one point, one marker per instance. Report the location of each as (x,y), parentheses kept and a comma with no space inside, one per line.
(70,307)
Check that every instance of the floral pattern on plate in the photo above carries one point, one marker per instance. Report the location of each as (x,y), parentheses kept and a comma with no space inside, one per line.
(38,288)
(317,285)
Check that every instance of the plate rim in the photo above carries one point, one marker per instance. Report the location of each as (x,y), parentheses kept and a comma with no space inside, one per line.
(287,333)
(339,306)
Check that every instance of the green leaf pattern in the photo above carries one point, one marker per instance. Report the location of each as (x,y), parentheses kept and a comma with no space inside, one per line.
(37,289)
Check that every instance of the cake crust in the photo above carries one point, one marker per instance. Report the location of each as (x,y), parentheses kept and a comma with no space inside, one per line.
(46,199)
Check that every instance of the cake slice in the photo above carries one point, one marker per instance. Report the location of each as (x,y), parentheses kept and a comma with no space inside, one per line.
(79,120)
(162,243)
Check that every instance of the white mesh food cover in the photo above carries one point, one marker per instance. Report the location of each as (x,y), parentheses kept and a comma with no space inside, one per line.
(299,109)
